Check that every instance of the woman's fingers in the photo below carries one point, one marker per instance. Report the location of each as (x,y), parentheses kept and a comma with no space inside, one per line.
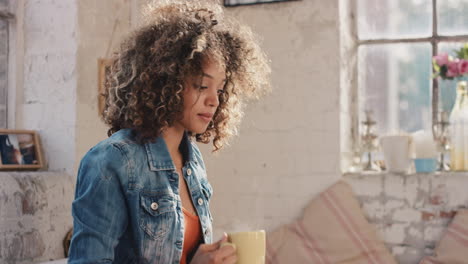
(215,253)
(226,251)
(214,246)
(230,260)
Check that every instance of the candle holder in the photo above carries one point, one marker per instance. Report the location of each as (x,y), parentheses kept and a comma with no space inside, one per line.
(441,133)
(369,140)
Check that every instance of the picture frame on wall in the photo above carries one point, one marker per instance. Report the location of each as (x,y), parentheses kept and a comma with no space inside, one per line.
(103,69)
(20,150)
(228,3)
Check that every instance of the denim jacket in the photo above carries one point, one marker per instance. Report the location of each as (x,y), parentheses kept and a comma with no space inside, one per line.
(127,207)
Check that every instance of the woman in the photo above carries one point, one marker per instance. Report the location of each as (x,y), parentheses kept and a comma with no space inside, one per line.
(142,195)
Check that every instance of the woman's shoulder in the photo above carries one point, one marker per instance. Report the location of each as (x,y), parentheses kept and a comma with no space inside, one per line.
(121,138)
(118,144)
(108,157)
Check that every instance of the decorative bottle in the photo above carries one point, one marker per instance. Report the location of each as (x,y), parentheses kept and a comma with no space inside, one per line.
(459,132)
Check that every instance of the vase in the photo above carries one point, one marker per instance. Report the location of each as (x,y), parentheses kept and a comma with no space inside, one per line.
(459,131)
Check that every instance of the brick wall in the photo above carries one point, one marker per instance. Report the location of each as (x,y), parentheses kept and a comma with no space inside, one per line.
(288,148)
(101,26)
(410,212)
(46,97)
(35,215)
(289,144)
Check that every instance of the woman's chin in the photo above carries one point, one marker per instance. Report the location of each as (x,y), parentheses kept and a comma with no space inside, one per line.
(197,131)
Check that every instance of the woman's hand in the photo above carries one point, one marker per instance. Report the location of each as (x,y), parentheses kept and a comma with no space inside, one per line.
(215,254)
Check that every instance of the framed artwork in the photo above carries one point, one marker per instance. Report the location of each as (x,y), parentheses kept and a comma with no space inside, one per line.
(251,2)
(103,69)
(20,150)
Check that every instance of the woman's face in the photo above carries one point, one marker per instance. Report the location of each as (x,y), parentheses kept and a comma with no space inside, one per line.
(201,98)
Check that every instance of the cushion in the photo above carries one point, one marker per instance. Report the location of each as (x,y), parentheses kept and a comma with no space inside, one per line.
(332,229)
(452,247)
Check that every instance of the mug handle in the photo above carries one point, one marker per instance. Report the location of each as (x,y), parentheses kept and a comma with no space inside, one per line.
(228,244)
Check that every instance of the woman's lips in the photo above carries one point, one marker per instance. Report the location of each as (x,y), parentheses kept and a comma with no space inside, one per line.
(206,117)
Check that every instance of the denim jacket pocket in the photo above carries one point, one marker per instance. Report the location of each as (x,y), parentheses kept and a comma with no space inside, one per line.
(155,216)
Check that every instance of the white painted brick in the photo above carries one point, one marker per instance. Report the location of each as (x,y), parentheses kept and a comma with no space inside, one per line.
(450,189)
(408,255)
(300,186)
(49,77)
(399,250)
(414,234)
(287,130)
(304,164)
(324,163)
(324,142)
(373,209)
(416,190)
(49,96)
(394,187)
(434,233)
(392,205)
(407,215)
(394,233)
(367,186)
(331,121)
(52,33)
(38,212)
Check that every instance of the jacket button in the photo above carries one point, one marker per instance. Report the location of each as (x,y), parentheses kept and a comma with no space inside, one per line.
(200,201)
(207,231)
(189,171)
(154,206)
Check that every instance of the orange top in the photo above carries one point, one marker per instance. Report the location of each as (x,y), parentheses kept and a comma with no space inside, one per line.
(192,235)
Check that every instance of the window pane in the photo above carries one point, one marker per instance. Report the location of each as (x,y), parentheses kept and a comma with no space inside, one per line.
(452,17)
(394,18)
(394,82)
(448,88)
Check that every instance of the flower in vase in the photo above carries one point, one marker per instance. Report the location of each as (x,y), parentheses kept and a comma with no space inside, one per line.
(463,67)
(452,69)
(441,59)
(448,67)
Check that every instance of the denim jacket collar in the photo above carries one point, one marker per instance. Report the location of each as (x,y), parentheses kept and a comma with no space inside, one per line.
(159,157)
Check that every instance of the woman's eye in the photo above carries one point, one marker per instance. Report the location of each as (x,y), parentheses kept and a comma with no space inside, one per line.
(220,91)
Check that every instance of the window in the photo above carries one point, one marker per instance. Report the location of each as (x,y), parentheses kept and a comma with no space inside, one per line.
(392,76)
(396,42)
(4,16)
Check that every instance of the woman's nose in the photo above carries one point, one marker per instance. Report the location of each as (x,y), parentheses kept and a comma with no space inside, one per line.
(213,98)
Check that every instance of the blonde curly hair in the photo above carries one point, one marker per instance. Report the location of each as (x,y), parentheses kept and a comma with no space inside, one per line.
(146,80)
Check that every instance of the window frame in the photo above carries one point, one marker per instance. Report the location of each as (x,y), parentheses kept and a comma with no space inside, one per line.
(5,16)
(349,79)
(13,13)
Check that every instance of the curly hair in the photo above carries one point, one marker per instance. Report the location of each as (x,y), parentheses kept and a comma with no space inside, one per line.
(146,79)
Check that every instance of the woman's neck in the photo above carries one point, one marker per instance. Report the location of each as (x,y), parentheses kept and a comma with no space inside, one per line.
(173,137)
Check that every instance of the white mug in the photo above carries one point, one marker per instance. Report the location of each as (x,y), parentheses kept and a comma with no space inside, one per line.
(250,246)
(398,152)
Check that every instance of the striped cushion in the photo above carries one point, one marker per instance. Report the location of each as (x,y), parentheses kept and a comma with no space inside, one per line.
(333,229)
(452,248)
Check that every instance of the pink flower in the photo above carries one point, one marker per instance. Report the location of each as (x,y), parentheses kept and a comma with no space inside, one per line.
(463,67)
(452,68)
(441,59)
